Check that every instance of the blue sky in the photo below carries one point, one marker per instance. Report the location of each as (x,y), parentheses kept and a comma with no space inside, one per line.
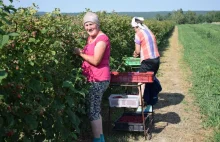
(119,5)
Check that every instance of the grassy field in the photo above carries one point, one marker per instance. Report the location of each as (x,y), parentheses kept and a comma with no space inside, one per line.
(202,52)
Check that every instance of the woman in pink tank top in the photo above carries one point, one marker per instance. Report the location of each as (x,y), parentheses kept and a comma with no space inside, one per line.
(96,56)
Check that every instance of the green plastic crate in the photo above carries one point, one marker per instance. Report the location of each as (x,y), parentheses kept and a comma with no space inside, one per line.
(131,61)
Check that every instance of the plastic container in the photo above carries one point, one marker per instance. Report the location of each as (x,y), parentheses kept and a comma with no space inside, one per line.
(119,100)
(131,122)
(127,77)
(131,61)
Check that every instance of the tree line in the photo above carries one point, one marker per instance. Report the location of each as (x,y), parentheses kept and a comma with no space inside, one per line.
(190,17)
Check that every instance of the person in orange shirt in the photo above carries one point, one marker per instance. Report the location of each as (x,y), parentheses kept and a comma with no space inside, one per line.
(145,47)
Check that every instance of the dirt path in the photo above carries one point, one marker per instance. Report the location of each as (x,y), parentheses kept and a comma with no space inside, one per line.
(176,107)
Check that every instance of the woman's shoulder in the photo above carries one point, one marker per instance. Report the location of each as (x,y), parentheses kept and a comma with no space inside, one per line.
(102,37)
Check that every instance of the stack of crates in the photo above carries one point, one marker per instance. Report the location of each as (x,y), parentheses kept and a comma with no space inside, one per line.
(130,121)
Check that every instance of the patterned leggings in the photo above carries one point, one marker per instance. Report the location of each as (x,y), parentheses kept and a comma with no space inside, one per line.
(94,99)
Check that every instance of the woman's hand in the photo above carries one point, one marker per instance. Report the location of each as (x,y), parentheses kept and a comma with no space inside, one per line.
(77,51)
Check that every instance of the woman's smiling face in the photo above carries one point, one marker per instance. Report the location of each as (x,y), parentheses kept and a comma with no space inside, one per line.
(91,28)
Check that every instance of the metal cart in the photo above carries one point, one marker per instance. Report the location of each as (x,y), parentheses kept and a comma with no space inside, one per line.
(145,118)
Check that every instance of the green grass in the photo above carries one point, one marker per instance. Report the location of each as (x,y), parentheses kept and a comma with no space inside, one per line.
(201,51)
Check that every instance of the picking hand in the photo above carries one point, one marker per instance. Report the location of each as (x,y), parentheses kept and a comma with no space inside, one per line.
(77,51)
(135,54)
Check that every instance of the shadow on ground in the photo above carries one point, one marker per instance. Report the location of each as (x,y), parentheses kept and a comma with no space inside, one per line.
(168,99)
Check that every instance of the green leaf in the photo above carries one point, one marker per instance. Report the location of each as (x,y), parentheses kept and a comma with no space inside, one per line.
(70,85)
(82,92)
(69,101)
(40,137)
(1,97)
(43,31)
(31,63)
(26,139)
(3,75)
(64,133)
(3,40)
(31,121)
(67,84)
(58,123)
(1,121)
(74,135)
(31,40)
(14,34)
(53,52)
(49,133)
(35,85)
(34,5)
(73,118)
(56,61)
(10,120)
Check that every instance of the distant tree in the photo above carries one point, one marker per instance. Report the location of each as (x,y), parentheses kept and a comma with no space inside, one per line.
(168,16)
(217,16)
(178,16)
(210,17)
(201,18)
(190,17)
(180,10)
(159,17)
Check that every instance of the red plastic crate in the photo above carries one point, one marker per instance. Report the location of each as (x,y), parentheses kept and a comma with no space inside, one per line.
(126,77)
